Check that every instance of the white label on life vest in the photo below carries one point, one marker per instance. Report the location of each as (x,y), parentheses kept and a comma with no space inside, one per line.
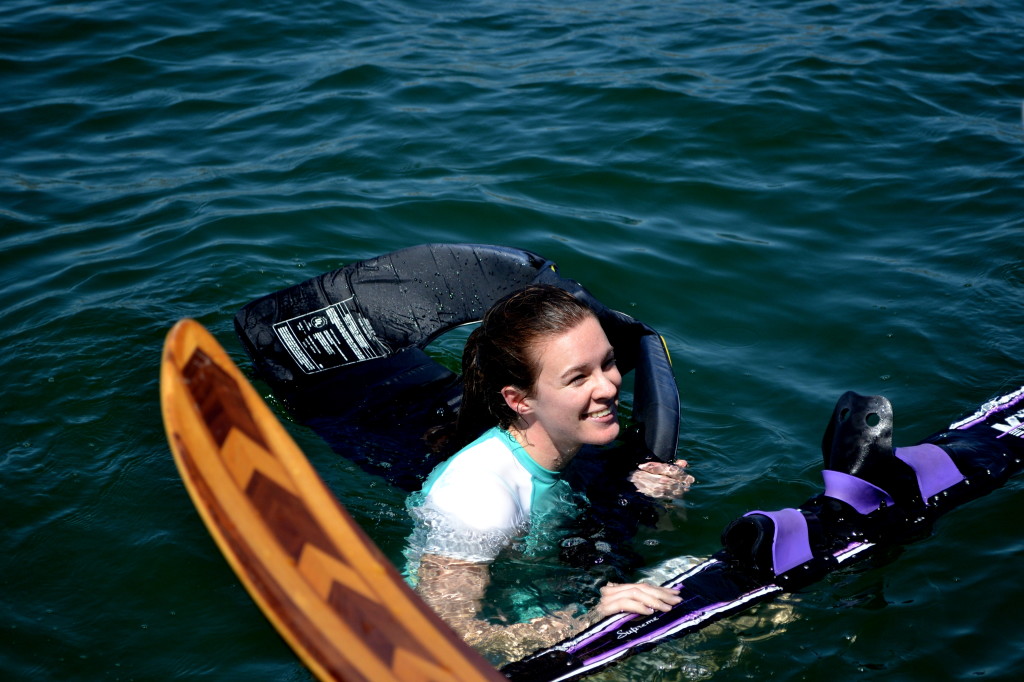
(330,337)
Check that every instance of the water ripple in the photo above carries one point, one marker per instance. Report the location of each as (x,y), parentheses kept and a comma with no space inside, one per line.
(803,197)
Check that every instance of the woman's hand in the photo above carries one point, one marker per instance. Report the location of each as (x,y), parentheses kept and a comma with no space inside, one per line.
(661,480)
(638,598)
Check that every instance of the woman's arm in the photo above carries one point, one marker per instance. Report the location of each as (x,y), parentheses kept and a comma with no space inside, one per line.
(455,589)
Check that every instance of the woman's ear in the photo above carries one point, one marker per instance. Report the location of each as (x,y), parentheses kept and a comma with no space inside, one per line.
(516,399)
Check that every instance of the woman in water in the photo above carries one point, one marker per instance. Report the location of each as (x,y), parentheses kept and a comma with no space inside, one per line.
(540,382)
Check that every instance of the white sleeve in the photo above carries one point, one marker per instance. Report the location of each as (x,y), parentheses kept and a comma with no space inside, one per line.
(471,520)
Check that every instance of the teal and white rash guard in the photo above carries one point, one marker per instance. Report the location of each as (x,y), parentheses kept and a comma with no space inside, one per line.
(476,503)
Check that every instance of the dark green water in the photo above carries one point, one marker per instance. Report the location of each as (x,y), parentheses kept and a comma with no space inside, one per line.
(804,197)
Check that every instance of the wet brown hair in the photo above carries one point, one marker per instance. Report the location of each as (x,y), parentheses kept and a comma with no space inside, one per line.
(497,353)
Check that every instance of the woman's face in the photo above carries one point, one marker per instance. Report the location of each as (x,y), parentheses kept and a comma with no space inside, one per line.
(575,397)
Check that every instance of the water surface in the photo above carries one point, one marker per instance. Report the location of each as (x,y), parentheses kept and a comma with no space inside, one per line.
(803,197)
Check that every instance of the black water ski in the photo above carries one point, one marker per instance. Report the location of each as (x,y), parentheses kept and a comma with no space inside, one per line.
(876,498)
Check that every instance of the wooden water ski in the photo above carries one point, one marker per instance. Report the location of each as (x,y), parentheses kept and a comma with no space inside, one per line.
(318,578)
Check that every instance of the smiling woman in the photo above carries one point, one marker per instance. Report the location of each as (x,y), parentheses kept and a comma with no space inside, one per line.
(541,366)
(541,373)
(575,397)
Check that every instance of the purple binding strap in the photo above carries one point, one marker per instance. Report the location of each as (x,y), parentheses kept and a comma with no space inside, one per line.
(933,466)
(856,492)
(791,545)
